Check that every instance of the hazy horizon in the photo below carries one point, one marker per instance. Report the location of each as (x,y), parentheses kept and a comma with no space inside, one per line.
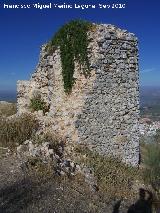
(9,96)
(145,90)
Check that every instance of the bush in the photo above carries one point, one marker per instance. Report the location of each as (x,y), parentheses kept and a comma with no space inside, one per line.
(17,130)
(113,177)
(37,103)
(157,136)
(150,159)
(152,165)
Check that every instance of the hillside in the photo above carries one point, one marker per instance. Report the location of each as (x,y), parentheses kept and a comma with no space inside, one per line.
(150,102)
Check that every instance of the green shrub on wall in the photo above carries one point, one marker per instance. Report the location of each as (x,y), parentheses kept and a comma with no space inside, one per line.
(37,103)
(73,42)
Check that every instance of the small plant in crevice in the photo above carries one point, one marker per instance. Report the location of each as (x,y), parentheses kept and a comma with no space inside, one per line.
(37,103)
(73,42)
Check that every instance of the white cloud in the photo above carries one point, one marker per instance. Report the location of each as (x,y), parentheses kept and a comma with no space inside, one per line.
(148,70)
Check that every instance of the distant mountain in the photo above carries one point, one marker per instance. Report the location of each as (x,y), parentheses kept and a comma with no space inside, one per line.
(9,96)
(149,95)
(150,102)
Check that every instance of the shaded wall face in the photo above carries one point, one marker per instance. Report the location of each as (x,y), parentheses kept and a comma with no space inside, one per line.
(103,109)
(109,122)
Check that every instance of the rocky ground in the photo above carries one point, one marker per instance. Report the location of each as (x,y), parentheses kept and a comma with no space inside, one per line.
(27,187)
(21,191)
(38,177)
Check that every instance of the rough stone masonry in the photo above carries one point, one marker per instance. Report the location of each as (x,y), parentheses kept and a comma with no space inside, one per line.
(103,109)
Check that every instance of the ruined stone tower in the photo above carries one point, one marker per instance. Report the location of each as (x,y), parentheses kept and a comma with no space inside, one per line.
(103,110)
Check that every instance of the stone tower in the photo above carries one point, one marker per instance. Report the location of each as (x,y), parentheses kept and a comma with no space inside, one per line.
(103,110)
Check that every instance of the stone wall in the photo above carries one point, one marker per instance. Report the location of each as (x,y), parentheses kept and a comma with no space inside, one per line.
(103,109)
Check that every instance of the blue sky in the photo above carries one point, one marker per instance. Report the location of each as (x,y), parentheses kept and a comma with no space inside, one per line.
(23,31)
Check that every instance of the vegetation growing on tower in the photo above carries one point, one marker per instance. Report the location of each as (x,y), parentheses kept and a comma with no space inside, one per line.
(73,42)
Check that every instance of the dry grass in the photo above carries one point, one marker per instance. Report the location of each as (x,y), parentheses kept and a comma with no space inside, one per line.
(39,170)
(150,154)
(7,109)
(115,179)
(55,142)
(17,130)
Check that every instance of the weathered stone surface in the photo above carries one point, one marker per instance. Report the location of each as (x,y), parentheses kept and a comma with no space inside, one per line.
(103,109)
